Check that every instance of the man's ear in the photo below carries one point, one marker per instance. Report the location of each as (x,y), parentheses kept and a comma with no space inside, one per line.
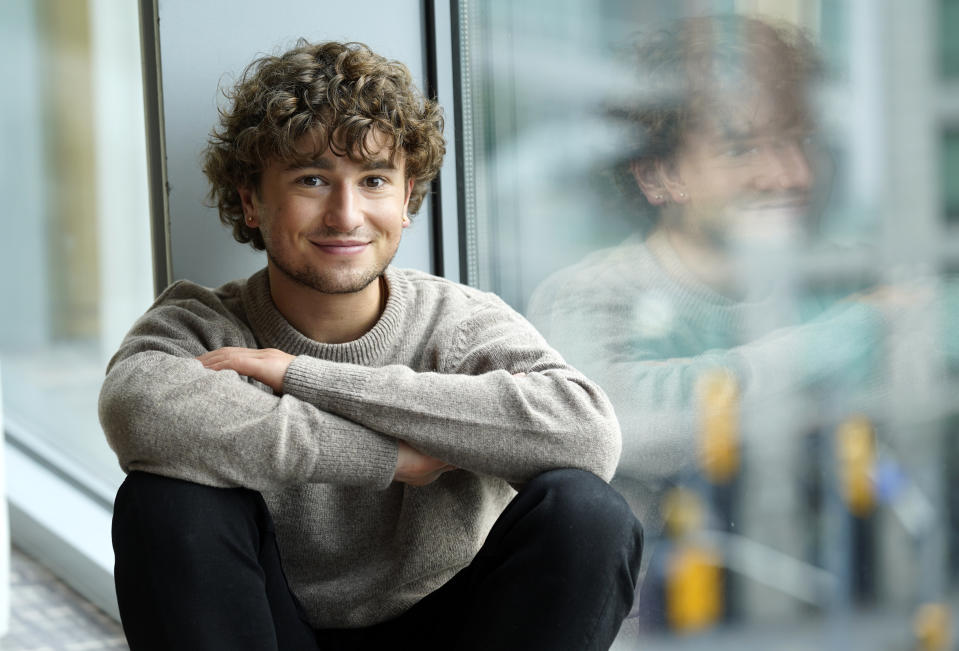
(659,181)
(410,182)
(248,202)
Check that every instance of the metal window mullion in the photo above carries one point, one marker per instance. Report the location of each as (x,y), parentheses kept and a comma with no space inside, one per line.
(156,144)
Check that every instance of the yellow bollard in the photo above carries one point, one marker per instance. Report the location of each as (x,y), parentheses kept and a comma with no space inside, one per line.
(719,419)
(856,442)
(694,595)
(693,587)
(931,626)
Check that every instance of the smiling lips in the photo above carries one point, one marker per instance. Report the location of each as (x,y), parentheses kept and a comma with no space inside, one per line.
(787,202)
(341,247)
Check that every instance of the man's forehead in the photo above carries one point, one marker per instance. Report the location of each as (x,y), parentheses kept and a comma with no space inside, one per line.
(375,150)
(736,118)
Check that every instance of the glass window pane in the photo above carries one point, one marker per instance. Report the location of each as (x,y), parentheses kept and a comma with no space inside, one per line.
(948,46)
(736,217)
(76,247)
(950,175)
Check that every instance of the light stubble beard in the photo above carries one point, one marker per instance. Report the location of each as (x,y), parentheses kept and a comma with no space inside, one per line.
(331,283)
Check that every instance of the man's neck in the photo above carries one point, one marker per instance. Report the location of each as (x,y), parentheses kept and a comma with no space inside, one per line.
(327,318)
(707,265)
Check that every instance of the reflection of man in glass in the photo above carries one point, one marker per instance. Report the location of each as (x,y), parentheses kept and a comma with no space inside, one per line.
(725,154)
(724,166)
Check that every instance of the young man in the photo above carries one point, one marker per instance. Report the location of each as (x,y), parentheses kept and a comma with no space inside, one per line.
(321,456)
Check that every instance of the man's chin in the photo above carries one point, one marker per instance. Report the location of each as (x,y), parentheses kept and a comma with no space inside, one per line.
(774,226)
(326,285)
(331,282)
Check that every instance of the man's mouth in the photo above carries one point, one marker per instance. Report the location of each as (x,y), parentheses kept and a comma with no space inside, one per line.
(341,247)
(791,203)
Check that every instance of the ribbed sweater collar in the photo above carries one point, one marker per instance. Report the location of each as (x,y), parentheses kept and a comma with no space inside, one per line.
(691,295)
(272,330)
(679,277)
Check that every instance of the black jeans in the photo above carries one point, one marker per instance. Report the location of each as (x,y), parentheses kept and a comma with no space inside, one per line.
(197,568)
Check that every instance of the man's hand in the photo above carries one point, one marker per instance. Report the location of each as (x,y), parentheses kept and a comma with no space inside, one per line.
(417,469)
(268,365)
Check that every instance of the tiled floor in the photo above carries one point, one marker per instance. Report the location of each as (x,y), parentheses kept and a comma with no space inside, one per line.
(46,615)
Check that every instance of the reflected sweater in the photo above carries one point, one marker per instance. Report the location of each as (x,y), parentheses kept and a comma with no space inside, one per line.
(438,370)
(637,321)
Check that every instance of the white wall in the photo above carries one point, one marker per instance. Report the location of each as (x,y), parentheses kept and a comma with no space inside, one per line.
(123,207)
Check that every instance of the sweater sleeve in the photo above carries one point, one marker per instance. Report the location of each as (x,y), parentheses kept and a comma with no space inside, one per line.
(162,412)
(505,404)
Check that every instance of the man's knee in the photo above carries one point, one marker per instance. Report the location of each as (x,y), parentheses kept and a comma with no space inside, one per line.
(577,495)
(588,510)
(205,558)
(155,510)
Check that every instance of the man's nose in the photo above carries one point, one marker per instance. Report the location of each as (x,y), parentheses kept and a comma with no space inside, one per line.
(787,167)
(341,210)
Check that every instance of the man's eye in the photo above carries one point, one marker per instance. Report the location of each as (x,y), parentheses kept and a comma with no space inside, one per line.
(738,151)
(310,181)
(374,182)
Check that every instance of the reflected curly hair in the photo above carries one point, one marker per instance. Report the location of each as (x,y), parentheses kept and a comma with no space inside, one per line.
(704,70)
(342,93)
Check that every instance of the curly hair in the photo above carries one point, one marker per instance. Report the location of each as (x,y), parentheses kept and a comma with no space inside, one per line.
(705,70)
(342,93)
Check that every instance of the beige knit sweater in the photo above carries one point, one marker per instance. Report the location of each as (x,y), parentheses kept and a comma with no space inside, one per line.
(437,370)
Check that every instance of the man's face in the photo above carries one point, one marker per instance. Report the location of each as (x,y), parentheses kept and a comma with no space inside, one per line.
(747,180)
(331,224)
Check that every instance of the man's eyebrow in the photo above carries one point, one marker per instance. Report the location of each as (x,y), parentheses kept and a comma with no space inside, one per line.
(732,134)
(736,130)
(378,164)
(740,130)
(303,163)
(327,164)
